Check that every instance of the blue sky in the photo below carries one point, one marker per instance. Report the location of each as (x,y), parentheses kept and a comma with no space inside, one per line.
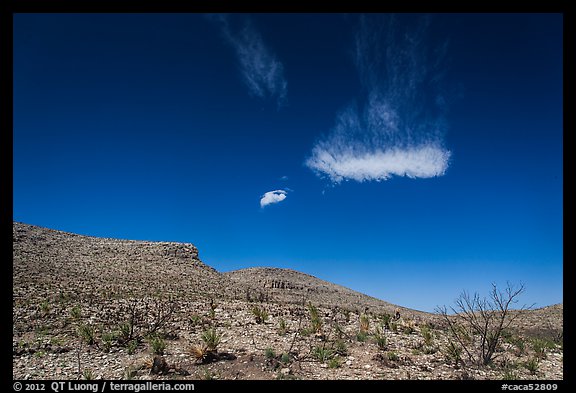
(408,157)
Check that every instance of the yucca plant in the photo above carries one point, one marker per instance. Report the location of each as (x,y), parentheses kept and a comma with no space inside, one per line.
(211,338)
(260,315)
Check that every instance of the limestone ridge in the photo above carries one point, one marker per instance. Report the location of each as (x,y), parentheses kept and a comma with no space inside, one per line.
(73,262)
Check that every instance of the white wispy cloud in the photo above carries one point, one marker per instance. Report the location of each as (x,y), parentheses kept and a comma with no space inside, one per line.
(262,72)
(412,162)
(399,125)
(271,197)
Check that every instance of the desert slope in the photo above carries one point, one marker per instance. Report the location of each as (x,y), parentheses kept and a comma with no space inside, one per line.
(87,307)
(290,286)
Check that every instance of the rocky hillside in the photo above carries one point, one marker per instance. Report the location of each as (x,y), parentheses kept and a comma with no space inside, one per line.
(290,286)
(86,307)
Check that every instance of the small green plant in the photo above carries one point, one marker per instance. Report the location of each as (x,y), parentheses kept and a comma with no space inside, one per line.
(211,338)
(282,327)
(346,314)
(540,346)
(392,356)
(86,334)
(532,365)
(519,345)
(208,375)
(509,375)
(195,320)
(386,318)
(427,335)
(380,339)
(87,374)
(304,332)
(361,336)
(340,348)
(393,327)
(364,323)
(125,331)
(107,339)
(158,345)
(334,363)
(315,321)
(339,331)
(260,315)
(212,311)
(285,358)
(76,312)
(44,306)
(131,347)
(40,354)
(269,353)
(453,353)
(322,354)
(129,373)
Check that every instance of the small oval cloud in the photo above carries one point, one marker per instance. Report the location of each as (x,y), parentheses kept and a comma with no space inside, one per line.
(272,197)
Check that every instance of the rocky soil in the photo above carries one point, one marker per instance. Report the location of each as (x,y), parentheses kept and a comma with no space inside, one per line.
(87,307)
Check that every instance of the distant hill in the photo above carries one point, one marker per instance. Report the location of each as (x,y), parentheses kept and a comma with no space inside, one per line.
(290,286)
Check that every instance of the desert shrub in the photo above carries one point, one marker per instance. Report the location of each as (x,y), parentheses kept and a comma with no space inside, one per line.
(392,356)
(532,365)
(304,332)
(322,354)
(509,375)
(125,331)
(195,320)
(519,345)
(44,306)
(483,318)
(540,345)
(87,374)
(361,336)
(285,358)
(199,352)
(364,323)
(158,345)
(129,373)
(76,312)
(340,348)
(380,339)
(315,321)
(107,339)
(393,326)
(211,338)
(453,353)
(282,327)
(427,335)
(386,318)
(260,314)
(86,334)
(269,353)
(334,363)
(346,314)
(131,347)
